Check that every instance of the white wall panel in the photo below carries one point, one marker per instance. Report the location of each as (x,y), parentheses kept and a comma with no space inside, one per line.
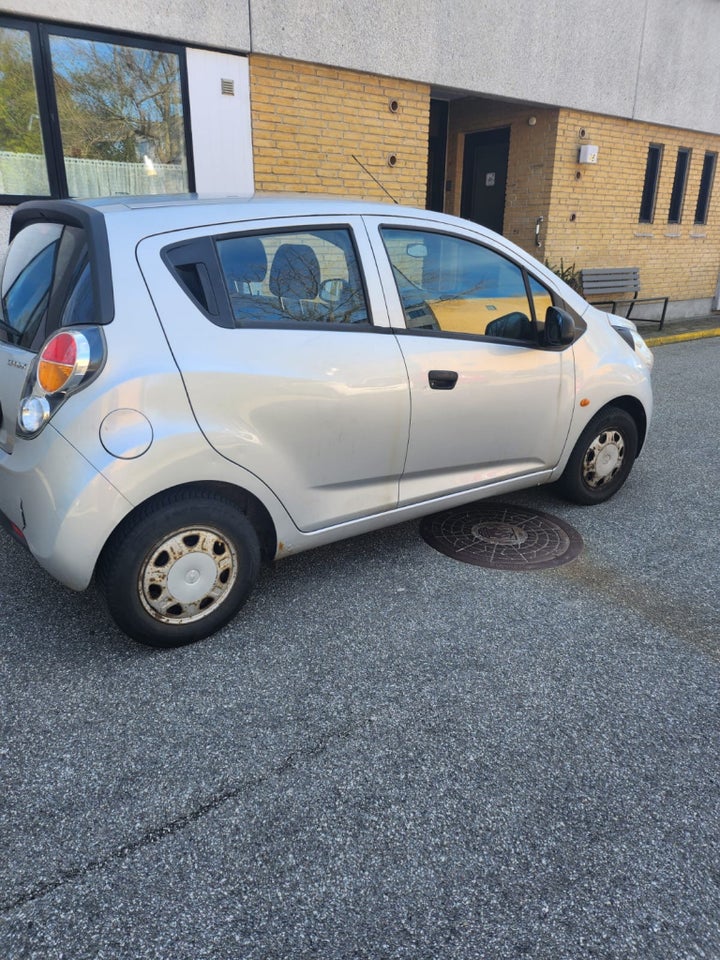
(220,123)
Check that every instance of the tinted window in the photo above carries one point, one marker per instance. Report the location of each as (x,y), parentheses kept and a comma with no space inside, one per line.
(678,190)
(706,179)
(454,285)
(650,184)
(293,276)
(46,283)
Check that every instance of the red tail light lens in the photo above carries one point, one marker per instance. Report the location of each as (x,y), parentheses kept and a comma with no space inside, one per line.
(69,361)
(64,358)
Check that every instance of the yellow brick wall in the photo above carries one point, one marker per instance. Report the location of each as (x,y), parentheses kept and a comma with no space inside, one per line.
(308,121)
(593,218)
(530,161)
(592,221)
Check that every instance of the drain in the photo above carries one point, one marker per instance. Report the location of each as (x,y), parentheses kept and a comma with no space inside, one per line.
(502,536)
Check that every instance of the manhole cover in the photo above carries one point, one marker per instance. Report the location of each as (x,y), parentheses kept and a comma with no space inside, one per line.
(502,536)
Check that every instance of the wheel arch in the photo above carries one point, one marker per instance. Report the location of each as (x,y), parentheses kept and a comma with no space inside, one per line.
(253,508)
(633,407)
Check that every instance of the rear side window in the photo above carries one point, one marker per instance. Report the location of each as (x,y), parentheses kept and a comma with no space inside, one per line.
(280,278)
(45,284)
(287,277)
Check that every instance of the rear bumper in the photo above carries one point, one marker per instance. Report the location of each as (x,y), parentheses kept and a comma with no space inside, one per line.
(55,500)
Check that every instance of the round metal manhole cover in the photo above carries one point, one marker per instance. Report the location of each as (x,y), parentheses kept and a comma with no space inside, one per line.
(501,536)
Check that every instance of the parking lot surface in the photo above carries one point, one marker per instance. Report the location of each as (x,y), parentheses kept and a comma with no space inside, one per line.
(389,753)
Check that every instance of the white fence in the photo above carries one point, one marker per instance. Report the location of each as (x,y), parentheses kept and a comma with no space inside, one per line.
(26,174)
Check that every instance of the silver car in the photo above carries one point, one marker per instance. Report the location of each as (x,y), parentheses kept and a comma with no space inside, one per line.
(191,386)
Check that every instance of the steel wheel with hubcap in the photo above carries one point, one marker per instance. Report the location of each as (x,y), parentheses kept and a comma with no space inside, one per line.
(602,458)
(179,569)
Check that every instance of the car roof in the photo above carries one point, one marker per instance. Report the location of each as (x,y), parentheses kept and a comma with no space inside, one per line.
(189,209)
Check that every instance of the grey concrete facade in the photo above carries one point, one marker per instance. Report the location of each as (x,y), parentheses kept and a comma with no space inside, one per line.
(649,60)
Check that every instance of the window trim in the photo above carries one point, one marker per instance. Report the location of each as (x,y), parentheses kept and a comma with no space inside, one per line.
(679,186)
(705,187)
(40,32)
(648,198)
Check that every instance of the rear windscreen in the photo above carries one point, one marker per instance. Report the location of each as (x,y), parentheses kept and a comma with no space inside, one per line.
(45,283)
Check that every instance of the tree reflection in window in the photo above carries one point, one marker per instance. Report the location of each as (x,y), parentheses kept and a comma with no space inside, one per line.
(22,158)
(122,107)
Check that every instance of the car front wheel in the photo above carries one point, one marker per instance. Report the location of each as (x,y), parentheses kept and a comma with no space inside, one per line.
(602,458)
(179,569)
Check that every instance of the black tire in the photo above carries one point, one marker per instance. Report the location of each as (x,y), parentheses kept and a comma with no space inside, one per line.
(179,568)
(602,458)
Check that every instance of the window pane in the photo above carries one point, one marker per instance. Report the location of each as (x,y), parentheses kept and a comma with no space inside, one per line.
(678,191)
(308,275)
(46,280)
(706,180)
(652,175)
(27,280)
(457,286)
(23,170)
(542,299)
(121,119)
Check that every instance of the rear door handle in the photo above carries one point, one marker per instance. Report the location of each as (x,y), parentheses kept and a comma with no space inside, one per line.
(442,379)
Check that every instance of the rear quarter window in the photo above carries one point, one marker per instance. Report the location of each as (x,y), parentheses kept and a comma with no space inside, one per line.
(45,284)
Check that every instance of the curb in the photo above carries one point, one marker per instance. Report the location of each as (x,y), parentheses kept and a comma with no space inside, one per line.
(680,337)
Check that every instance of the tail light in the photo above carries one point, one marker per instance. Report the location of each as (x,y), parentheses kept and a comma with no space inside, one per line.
(68,362)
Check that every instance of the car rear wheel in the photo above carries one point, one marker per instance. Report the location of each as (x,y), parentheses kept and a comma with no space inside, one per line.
(179,569)
(602,458)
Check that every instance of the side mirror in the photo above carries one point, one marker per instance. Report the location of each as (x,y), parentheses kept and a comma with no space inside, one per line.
(559,328)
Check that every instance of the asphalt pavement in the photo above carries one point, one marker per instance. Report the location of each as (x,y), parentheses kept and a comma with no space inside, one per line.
(389,754)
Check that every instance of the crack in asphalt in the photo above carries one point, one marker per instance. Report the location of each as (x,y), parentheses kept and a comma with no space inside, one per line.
(173,827)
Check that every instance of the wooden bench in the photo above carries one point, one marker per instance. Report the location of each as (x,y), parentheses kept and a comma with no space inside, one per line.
(604,280)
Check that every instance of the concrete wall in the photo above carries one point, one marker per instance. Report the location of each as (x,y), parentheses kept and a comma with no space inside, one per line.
(652,60)
(224,24)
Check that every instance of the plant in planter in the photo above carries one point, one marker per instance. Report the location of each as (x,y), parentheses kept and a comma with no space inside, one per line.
(571,275)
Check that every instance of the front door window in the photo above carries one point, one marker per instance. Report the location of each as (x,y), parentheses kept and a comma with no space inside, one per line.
(452,285)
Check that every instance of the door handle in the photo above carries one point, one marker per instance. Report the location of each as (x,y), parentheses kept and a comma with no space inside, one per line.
(442,379)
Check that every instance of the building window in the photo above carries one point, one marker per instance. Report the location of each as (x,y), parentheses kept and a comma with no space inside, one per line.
(652,176)
(682,164)
(706,183)
(86,115)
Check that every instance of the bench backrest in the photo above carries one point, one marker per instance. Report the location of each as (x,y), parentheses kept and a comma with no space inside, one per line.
(599,280)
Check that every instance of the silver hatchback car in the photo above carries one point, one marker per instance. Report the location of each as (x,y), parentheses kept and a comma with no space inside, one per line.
(189,386)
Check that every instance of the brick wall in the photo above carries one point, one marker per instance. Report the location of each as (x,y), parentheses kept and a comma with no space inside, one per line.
(593,218)
(530,161)
(308,122)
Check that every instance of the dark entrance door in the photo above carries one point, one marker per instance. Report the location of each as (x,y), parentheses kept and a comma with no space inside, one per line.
(485,166)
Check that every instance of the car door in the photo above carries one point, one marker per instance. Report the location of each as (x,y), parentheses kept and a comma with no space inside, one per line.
(490,403)
(284,346)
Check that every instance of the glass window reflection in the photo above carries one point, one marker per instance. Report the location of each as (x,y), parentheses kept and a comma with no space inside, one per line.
(23,168)
(121,118)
